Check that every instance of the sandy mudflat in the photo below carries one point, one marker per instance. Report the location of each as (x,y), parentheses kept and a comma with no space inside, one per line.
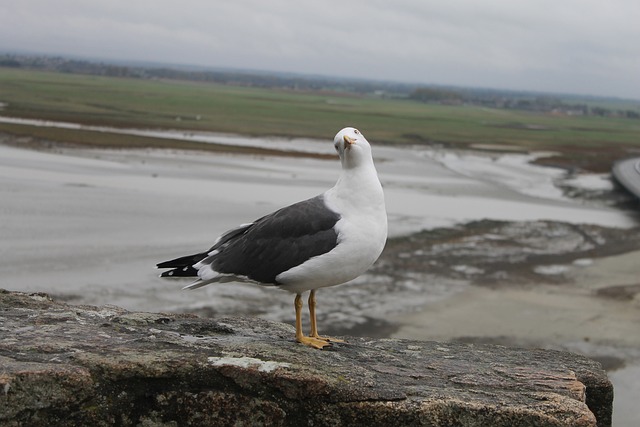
(89,226)
(540,314)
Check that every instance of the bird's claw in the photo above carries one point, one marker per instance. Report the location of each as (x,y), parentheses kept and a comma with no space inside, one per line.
(314,342)
(327,339)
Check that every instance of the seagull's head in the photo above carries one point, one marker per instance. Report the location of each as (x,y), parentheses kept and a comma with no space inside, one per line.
(352,147)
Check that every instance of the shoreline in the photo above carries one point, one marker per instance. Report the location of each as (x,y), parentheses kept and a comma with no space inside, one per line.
(86,135)
(42,134)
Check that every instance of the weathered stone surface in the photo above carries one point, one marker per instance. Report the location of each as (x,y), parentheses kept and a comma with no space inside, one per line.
(81,365)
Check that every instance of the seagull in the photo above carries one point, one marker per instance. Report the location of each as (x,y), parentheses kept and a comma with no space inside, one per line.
(323,241)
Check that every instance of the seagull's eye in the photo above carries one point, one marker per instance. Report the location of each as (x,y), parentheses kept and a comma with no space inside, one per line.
(337,147)
(356,131)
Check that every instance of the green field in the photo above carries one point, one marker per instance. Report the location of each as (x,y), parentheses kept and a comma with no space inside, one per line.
(253,111)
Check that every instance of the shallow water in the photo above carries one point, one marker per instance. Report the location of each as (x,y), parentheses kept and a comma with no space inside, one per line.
(420,182)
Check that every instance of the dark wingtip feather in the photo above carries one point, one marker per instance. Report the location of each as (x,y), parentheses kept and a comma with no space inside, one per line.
(185,271)
(181,267)
(184,261)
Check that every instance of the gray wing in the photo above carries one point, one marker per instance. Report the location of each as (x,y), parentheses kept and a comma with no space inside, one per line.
(276,242)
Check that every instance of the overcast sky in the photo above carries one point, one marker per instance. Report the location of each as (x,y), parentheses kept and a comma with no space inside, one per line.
(571,46)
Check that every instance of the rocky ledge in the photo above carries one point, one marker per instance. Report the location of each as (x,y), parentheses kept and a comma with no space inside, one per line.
(79,365)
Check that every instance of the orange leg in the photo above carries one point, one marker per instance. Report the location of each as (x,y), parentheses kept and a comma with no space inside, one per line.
(300,337)
(314,325)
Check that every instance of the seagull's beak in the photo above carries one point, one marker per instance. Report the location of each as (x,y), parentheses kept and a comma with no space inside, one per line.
(348,141)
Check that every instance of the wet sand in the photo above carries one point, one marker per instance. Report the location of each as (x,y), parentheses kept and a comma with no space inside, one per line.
(561,316)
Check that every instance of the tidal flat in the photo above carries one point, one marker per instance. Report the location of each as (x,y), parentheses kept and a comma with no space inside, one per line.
(485,245)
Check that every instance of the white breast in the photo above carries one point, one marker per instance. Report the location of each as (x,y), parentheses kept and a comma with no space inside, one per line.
(362,233)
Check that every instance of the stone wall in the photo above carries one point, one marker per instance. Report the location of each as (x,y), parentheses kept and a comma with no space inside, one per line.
(79,365)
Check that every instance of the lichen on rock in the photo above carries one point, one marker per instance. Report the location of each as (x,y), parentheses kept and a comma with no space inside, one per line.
(79,365)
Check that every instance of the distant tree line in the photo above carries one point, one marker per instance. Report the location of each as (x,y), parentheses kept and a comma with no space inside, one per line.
(433,94)
(9,62)
(515,101)
(227,77)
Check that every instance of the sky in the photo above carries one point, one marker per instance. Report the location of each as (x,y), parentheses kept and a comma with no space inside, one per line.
(588,47)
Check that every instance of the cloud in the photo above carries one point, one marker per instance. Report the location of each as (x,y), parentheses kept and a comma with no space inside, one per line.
(582,46)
